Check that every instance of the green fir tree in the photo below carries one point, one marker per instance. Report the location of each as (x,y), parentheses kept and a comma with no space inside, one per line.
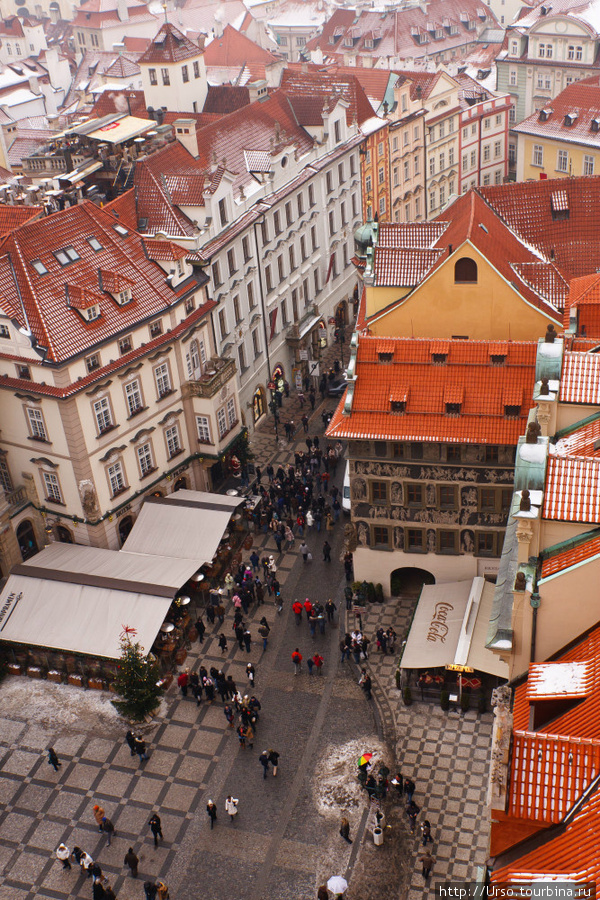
(137,681)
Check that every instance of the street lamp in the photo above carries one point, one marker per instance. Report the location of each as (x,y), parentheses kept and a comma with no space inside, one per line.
(273,406)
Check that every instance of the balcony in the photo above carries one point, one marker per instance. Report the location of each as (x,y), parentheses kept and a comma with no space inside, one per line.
(16,499)
(218,372)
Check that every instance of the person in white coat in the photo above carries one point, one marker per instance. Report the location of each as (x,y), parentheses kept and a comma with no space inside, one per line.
(231,807)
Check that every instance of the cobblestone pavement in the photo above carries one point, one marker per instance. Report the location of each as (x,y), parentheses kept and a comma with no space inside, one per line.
(284,841)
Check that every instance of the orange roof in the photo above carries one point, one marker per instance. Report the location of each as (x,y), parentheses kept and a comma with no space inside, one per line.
(235,49)
(580,441)
(13,216)
(584,295)
(572,491)
(554,770)
(580,378)
(467,378)
(169,46)
(571,557)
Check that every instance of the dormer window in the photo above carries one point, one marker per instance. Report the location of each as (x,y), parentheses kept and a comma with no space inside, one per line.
(595,124)
(512,411)
(92,312)
(398,406)
(67,255)
(570,119)
(439,359)
(123,296)
(39,267)
(368,43)
(385,356)
(453,409)
(125,344)
(348,41)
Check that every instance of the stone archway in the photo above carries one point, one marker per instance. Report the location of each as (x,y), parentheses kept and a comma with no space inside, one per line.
(409,580)
(125,526)
(64,535)
(27,541)
(181,484)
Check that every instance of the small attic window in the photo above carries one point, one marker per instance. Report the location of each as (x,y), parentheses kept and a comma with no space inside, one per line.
(385,356)
(439,359)
(39,267)
(123,296)
(92,312)
(512,411)
(595,124)
(120,229)
(94,244)
(570,119)
(67,255)
(398,406)
(465,271)
(453,409)
(498,359)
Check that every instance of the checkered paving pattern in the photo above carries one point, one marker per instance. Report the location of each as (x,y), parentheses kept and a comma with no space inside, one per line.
(192,752)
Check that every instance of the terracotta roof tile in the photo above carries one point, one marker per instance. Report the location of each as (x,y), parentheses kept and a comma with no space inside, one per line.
(164,251)
(572,492)
(579,553)
(234,49)
(581,441)
(403,268)
(13,216)
(169,46)
(416,235)
(580,378)
(468,378)
(310,90)
(225,98)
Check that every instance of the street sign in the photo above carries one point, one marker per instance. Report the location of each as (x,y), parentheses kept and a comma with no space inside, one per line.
(304,354)
(271,385)
(453,667)
(313,368)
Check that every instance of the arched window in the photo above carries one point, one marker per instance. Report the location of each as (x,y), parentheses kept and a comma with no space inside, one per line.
(27,541)
(465,271)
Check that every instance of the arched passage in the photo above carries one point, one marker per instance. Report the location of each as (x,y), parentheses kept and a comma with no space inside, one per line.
(125,526)
(64,535)
(409,580)
(26,538)
(180,484)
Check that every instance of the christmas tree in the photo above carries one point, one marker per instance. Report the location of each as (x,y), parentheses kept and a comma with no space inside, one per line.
(137,681)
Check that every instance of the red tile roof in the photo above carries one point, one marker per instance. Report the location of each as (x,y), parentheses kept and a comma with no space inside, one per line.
(580,100)
(13,216)
(309,90)
(554,770)
(403,268)
(468,378)
(571,243)
(575,554)
(169,46)
(584,296)
(580,441)
(572,492)
(235,49)
(56,327)
(580,378)
(225,98)
(118,101)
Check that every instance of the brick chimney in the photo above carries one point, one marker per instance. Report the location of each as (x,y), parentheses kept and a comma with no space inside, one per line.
(185,132)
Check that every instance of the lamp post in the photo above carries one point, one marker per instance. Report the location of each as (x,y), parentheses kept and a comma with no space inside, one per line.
(273,406)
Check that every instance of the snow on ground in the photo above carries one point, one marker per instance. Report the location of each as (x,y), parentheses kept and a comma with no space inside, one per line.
(338,790)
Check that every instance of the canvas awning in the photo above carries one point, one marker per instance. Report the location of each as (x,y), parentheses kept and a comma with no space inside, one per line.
(184,525)
(79,599)
(450,626)
(123,130)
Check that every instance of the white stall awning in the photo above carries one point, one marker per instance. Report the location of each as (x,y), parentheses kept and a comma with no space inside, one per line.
(185,525)
(449,628)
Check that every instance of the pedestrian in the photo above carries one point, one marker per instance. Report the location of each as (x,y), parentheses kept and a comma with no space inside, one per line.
(250,736)
(132,861)
(365,683)
(274,760)
(183,682)
(162,891)
(409,789)
(130,741)
(297,660)
(98,892)
(412,811)
(109,894)
(200,628)
(150,890)
(86,862)
(108,828)
(99,815)
(318,661)
(140,748)
(305,423)
(211,810)
(398,782)
(250,673)
(426,832)
(345,830)
(297,610)
(53,759)
(310,663)
(223,643)
(229,715)
(330,609)
(322,893)
(427,862)
(304,551)
(231,807)
(264,630)
(156,828)
(63,853)
(326,551)
(247,637)
(264,761)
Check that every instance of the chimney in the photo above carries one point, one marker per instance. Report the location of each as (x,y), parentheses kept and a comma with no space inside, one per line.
(118,47)
(159,115)
(122,11)
(257,90)
(54,13)
(151,113)
(185,132)
(34,84)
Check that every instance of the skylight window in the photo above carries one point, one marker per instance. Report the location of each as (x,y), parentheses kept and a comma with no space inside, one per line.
(67,255)
(94,244)
(39,267)
(120,229)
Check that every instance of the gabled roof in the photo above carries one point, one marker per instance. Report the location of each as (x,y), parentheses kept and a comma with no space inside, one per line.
(579,550)
(169,46)
(122,67)
(309,91)
(584,297)
(467,377)
(572,116)
(235,49)
(580,378)
(569,240)
(13,216)
(40,300)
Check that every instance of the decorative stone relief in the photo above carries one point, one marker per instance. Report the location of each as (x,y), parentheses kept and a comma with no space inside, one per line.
(363,533)
(467,541)
(359,489)
(398,538)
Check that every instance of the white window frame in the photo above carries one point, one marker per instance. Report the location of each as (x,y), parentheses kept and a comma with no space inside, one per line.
(37,425)
(231,412)
(222,422)
(115,473)
(52,487)
(562,161)
(145,458)
(103,415)
(162,379)
(537,158)
(588,165)
(173,440)
(133,397)
(203,429)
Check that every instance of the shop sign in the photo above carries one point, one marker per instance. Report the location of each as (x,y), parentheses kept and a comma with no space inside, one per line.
(452,667)
(438,630)
(123,510)
(8,607)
